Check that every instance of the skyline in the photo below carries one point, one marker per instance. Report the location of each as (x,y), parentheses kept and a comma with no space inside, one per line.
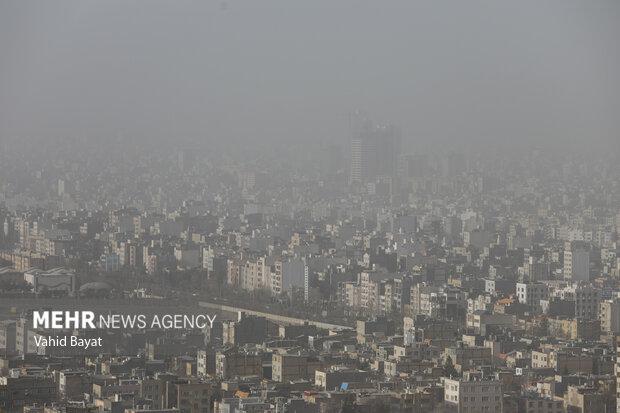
(267,206)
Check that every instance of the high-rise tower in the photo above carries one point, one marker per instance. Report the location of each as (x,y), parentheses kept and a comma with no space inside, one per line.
(374,152)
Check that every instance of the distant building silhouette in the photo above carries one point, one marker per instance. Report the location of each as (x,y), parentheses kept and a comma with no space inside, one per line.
(374,151)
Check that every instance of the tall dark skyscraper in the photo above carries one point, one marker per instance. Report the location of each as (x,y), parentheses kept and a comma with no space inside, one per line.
(374,152)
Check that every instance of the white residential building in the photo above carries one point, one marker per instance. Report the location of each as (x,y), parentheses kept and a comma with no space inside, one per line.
(473,396)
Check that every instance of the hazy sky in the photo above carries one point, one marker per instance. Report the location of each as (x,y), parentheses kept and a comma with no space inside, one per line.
(286,69)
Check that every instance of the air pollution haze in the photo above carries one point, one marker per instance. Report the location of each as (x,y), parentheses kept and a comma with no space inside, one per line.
(343,206)
(257,72)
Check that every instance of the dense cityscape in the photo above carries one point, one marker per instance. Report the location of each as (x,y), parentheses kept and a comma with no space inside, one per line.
(319,206)
(353,278)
